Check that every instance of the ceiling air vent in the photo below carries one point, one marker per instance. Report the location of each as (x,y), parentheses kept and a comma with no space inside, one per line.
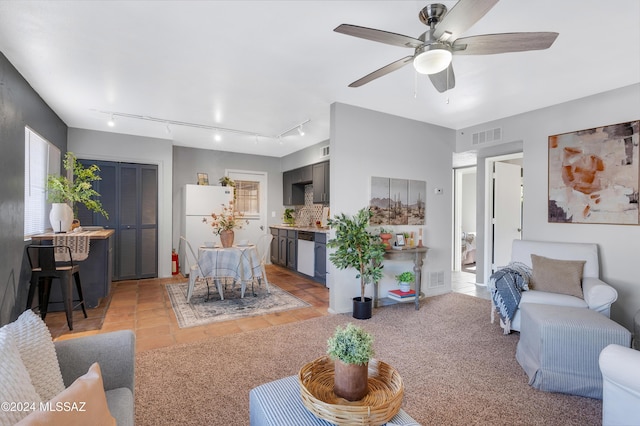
(492,135)
(324,151)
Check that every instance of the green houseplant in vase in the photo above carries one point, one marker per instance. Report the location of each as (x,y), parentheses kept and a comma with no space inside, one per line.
(351,348)
(357,248)
(61,192)
(289,217)
(404,281)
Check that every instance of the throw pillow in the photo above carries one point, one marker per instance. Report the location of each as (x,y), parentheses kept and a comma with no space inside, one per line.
(83,403)
(557,276)
(16,389)
(38,353)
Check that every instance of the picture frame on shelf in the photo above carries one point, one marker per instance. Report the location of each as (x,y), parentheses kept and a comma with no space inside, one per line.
(203,179)
(400,240)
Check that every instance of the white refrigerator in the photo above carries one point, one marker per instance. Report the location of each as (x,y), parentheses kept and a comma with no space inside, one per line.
(199,201)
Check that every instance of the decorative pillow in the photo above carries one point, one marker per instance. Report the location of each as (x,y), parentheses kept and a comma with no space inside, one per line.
(83,403)
(16,389)
(557,276)
(33,339)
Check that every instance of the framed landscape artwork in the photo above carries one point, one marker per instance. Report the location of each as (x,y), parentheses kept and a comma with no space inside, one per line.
(594,175)
(397,201)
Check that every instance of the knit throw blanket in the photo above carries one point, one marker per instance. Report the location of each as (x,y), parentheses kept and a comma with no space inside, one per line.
(506,286)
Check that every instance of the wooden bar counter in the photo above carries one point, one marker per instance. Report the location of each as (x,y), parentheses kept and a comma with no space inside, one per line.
(96,271)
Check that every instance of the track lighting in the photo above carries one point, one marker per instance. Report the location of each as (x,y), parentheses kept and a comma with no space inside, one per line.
(218,130)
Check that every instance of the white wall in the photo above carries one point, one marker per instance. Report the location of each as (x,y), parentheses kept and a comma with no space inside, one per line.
(618,245)
(105,146)
(367,143)
(468,214)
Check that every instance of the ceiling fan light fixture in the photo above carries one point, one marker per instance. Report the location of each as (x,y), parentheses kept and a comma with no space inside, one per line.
(433,59)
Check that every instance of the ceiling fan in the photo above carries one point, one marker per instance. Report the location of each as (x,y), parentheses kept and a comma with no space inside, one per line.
(434,48)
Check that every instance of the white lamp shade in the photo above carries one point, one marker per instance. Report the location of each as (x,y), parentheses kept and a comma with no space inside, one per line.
(432,61)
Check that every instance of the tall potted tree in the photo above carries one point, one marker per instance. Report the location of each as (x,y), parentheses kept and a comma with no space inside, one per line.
(357,248)
(61,192)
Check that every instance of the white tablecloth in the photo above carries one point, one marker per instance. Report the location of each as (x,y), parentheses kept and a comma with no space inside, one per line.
(239,263)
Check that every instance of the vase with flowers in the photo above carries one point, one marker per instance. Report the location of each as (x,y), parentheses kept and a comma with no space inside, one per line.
(224,222)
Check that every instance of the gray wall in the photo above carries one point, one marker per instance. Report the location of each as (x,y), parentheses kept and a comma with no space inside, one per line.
(20,106)
(189,161)
(366,143)
(618,245)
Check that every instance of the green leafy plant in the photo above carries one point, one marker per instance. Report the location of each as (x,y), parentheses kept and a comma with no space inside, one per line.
(288,216)
(351,345)
(62,190)
(405,277)
(356,247)
(226,181)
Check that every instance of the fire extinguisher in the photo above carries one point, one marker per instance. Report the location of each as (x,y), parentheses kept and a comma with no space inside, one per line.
(175,264)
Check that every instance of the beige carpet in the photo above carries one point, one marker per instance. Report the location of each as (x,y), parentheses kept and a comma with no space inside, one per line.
(458,369)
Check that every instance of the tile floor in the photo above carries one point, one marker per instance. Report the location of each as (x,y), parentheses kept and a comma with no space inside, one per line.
(465,282)
(144,307)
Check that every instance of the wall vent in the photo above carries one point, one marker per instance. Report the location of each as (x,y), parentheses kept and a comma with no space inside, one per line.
(324,151)
(436,279)
(492,135)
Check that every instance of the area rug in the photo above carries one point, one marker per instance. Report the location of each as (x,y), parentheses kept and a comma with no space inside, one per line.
(200,311)
(457,367)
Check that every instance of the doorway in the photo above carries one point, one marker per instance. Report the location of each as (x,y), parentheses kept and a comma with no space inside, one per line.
(503,209)
(251,200)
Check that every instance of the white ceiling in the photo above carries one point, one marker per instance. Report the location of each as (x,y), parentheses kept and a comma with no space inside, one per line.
(265,66)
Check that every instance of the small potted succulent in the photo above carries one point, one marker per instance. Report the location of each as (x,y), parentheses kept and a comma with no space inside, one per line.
(351,348)
(226,181)
(404,280)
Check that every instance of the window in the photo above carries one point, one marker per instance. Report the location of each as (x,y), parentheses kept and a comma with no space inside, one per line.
(248,197)
(40,159)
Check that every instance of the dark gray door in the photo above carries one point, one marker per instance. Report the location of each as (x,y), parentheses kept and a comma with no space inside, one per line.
(129,193)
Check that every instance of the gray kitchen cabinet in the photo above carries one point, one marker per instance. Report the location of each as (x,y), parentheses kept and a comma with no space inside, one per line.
(282,247)
(321,183)
(292,192)
(274,246)
(292,250)
(320,257)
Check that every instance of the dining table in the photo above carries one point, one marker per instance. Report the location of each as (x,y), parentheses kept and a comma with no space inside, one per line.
(239,262)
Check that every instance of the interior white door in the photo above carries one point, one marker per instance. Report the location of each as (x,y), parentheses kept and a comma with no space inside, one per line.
(253,186)
(506,212)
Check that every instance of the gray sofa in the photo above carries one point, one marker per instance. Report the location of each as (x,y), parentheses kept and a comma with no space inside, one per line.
(115,352)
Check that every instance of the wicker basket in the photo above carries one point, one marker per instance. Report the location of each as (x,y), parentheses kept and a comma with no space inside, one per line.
(378,407)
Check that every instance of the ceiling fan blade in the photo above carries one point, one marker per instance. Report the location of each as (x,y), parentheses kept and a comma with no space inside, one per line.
(379,36)
(489,44)
(382,71)
(444,80)
(461,17)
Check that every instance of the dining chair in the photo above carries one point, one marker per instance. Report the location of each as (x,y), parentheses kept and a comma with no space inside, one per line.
(264,242)
(195,272)
(44,269)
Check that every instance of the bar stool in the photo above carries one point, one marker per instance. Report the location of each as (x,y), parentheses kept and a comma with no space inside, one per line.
(44,270)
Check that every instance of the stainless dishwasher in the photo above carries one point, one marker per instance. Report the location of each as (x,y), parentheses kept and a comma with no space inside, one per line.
(306,258)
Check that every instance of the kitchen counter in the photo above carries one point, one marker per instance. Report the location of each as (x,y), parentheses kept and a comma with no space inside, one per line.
(302,228)
(96,272)
(101,234)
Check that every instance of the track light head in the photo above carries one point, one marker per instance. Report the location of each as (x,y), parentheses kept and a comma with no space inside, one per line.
(300,131)
(111,121)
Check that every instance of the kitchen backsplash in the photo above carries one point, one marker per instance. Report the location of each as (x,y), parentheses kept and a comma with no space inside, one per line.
(308,214)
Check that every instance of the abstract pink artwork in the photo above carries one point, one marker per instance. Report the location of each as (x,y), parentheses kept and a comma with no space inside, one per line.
(594,175)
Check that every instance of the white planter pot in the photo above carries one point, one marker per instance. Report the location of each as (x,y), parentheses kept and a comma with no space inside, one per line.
(61,216)
(404,287)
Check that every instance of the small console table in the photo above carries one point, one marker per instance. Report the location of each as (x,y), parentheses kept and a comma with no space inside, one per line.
(418,254)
